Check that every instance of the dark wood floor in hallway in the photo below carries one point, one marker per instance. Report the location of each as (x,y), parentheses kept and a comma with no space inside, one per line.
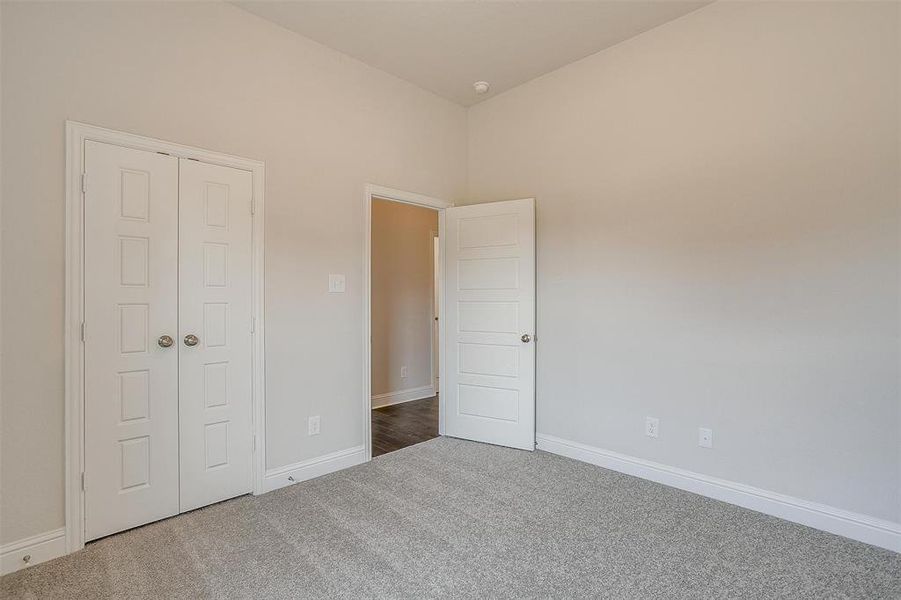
(401,425)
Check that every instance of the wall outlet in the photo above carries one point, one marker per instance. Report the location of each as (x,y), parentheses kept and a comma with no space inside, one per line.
(403,372)
(705,437)
(313,426)
(336,283)
(651,426)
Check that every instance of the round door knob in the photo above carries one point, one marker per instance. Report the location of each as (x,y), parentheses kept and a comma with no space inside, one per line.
(526,338)
(165,341)
(191,340)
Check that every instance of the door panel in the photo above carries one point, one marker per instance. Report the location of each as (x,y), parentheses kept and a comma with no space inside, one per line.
(489,260)
(131,381)
(215,227)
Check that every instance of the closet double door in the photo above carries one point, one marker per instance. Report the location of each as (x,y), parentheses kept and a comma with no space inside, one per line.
(167,336)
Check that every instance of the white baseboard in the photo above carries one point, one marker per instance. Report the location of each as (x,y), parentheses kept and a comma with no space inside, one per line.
(52,544)
(308,469)
(400,396)
(863,528)
(37,549)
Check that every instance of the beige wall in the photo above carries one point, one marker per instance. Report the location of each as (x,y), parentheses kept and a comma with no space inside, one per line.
(214,76)
(718,226)
(718,244)
(402,296)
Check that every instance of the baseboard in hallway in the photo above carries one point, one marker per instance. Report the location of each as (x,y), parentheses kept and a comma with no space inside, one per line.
(401,396)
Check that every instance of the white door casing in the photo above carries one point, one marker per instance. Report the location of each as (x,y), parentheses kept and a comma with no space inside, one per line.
(130,380)
(489,323)
(436,309)
(215,294)
(377,191)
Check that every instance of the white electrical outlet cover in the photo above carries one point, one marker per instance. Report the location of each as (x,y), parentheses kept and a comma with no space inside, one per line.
(705,437)
(652,427)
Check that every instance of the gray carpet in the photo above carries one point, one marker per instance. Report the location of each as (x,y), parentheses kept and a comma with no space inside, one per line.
(457,519)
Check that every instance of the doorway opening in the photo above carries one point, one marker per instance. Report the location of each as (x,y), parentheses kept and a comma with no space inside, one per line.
(402,327)
(403,307)
(486,325)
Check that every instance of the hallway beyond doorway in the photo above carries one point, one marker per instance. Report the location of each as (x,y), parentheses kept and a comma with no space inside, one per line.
(401,425)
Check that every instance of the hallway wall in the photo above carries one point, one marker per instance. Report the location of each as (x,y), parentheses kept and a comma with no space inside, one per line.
(402,296)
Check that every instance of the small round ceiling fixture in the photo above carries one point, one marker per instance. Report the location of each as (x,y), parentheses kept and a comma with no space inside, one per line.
(481,87)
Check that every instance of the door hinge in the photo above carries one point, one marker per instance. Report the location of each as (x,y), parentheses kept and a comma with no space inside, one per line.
(82,481)
(254,442)
(253,324)
(84,183)
(253,209)
(82,331)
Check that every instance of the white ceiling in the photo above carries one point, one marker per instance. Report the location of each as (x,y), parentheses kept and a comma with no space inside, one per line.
(447,45)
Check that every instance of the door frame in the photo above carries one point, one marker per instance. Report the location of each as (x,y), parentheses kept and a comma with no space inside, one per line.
(435,311)
(384,193)
(76,135)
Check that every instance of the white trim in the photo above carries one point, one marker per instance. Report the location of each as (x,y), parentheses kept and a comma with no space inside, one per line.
(258,399)
(385,193)
(442,353)
(401,396)
(314,467)
(863,528)
(76,135)
(377,191)
(38,548)
(434,338)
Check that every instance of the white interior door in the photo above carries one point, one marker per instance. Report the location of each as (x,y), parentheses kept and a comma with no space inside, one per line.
(489,315)
(131,376)
(215,321)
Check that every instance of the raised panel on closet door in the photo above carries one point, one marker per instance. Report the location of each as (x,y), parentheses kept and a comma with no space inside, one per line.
(130,301)
(215,228)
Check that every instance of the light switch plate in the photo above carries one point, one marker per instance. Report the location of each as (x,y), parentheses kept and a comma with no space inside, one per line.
(336,283)
(705,437)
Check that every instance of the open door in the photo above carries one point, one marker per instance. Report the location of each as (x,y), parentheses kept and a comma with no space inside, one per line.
(488,346)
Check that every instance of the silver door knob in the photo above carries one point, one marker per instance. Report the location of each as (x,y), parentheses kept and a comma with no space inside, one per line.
(165,341)
(526,338)
(191,340)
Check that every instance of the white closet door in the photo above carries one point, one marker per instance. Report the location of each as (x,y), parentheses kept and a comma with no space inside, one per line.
(215,226)
(131,378)
(489,260)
